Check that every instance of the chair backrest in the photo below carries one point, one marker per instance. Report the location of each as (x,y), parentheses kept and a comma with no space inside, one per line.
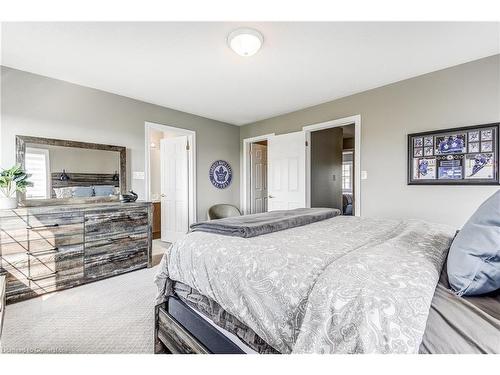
(220,211)
(347,198)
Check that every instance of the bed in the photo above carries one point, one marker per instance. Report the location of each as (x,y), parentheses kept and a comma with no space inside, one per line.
(340,285)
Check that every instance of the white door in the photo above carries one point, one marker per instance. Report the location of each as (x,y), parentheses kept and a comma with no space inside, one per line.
(174,188)
(258,178)
(286,159)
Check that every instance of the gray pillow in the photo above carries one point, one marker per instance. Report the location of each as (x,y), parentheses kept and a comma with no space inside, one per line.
(474,257)
(104,190)
(82,191)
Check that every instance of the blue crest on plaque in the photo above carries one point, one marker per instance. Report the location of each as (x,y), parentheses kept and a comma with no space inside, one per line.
(451,144)
(220,174)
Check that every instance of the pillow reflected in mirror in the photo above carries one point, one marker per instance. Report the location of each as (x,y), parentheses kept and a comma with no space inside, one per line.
(104,190)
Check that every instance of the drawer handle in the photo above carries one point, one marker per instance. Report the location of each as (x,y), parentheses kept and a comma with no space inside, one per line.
(41,227)
(43,252)
(42,277)
(130,236)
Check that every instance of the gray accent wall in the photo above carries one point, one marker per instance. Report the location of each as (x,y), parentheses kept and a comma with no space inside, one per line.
(45,107)
(467,94)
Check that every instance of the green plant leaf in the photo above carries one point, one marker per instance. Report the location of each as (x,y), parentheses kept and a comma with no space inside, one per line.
(15,175)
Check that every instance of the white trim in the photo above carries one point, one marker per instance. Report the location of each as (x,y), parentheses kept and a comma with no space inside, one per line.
(245,168)
(356,120)
(192,201)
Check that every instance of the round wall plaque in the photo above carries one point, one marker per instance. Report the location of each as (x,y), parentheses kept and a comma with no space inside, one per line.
(220,174)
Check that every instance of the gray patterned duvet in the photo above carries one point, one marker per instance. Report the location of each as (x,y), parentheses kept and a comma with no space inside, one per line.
(343,285)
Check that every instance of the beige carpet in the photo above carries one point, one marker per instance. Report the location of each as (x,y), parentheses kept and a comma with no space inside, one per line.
(115,315)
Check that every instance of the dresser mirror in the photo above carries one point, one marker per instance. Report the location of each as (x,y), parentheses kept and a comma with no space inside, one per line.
(64,172)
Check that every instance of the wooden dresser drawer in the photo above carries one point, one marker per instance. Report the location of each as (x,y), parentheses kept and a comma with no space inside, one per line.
(62,279)
(12,227)
(40,245)
(10,219)
(8,236)
(44,221)
(68,238)
(17,277)
(112,256)
(10,248)
(119,245)
(66,260)
(109,224)
(58,234)
(40,269)
(16,264)
(96,268)
(56,227)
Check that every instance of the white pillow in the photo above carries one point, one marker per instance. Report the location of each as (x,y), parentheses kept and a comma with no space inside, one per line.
(65,192)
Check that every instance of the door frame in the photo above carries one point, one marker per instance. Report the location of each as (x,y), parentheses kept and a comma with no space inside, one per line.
(246,168)
(191,134)
(356,120)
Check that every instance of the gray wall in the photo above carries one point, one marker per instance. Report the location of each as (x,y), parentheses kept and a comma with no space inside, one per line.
(326,162)
(45,107)
(467,94)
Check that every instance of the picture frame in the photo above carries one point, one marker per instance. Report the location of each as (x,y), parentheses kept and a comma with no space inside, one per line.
(454,156)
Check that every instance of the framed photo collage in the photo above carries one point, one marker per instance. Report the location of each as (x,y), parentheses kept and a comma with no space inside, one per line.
(460,156)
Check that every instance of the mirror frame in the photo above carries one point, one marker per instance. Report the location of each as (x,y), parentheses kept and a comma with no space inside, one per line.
(22,140)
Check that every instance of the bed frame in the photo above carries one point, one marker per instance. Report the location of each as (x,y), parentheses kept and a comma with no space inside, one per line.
(179,330)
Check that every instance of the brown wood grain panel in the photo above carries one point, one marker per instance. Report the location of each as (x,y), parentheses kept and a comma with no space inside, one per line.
(175,337)
(156,220)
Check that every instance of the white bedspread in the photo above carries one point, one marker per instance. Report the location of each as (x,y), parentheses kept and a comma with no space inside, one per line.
(342,285)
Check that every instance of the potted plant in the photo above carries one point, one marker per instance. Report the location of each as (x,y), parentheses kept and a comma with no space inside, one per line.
(12,180)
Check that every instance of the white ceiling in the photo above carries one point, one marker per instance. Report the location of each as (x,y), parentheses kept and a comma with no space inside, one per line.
(188,66)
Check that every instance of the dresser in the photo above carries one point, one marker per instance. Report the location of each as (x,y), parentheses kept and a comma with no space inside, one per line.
(2,305)
(49,248)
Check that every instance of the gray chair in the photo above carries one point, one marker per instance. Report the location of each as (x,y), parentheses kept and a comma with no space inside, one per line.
(220,211)
(347,204)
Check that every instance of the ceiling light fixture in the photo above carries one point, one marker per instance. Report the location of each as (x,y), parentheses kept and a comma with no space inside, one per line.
(245,42)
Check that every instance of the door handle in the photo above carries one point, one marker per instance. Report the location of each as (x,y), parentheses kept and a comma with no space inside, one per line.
(271,196)
(163,195)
